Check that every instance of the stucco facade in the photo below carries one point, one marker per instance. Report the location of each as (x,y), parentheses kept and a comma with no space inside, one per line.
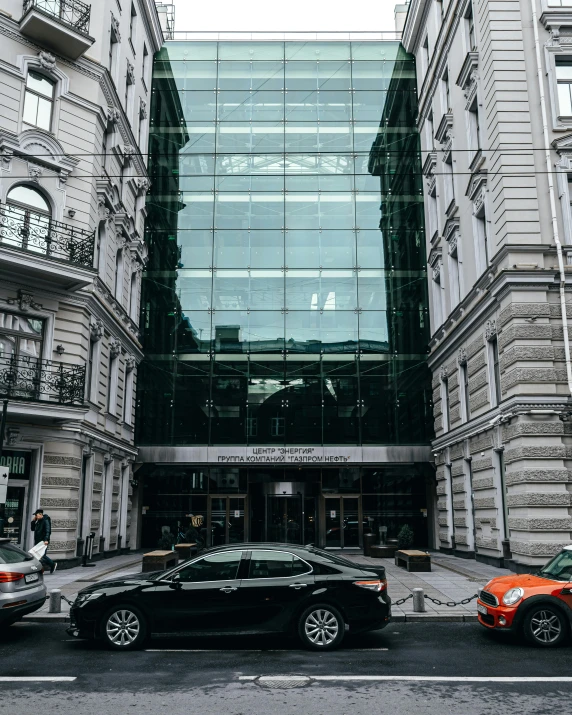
(495,128)
(73,129)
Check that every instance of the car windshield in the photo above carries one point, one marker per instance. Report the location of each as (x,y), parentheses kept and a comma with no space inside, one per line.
(560,568)
(10,554)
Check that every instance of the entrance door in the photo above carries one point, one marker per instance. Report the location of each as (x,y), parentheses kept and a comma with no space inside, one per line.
(12,519)
(284,519)
(342,522)
(226,521)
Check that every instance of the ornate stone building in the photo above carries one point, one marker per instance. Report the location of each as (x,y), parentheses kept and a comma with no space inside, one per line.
(495,116)
(75,82)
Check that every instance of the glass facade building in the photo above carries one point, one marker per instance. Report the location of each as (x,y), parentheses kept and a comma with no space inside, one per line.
(285,393)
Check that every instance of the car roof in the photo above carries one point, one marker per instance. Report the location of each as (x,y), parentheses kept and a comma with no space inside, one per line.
(271,546)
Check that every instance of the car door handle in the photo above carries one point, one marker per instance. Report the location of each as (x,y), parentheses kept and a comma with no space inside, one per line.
(228,589)
(298,586)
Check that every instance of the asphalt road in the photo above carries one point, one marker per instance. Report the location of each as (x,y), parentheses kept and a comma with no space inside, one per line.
(215,675)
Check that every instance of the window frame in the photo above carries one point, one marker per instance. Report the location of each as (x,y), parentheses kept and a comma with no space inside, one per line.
(28,90)
(171,576)
(275,578)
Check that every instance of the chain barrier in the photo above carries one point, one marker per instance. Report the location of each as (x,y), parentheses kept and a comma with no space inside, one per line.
(451,604)
(402,600)
(437,602)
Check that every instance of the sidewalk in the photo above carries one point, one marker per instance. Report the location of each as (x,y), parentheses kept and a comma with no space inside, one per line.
(70,581)
(450,579)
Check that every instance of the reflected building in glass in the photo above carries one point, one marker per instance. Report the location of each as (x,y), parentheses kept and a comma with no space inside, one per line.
(285,394)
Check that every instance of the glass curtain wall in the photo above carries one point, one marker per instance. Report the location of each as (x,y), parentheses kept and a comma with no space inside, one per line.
(284,300)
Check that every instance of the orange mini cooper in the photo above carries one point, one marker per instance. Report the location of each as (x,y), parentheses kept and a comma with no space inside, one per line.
(538,606)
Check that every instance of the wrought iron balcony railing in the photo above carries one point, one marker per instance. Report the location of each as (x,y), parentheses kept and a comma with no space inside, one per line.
(27,378)
(73,13)
(39,235)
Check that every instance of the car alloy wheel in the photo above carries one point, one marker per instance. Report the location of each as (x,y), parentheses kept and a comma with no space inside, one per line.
(321,627)
(545,626)
(123,628)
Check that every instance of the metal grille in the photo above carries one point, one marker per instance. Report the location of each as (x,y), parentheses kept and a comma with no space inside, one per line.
(488,598)
(74,13)
(43,237)
(27,378)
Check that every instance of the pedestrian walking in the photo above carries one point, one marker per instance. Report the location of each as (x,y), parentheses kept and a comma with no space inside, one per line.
(42,528)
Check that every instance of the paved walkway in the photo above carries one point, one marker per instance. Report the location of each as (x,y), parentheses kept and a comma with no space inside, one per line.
(451,579)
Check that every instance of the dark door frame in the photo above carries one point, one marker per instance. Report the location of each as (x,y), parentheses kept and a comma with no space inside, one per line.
(228,497)
(322,519)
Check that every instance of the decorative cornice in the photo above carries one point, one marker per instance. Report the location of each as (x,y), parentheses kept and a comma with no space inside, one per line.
(462,356)
(96,329)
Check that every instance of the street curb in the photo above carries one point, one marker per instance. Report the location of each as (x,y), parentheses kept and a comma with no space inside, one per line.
(46,618)
(408,618)
(105,573)
(434,618)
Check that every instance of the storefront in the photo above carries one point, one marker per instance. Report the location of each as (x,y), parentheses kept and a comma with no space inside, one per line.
(329,506)
(14,513)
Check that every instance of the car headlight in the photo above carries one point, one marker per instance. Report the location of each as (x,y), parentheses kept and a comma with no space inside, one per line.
(85,597)
(513,596)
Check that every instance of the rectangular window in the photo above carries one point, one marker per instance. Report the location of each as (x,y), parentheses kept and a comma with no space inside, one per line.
(470,37)
(437,298)
(494,372)
(425,56)
(454,276)
(251,426)
(474,127)
(449,181)
(112,386)
(564,84)
(38,101)
(464,383)
(482,240)
(277,426)
(445,93)
(91,364)
(132,25)
(446,405)
(128,397)
(145,77)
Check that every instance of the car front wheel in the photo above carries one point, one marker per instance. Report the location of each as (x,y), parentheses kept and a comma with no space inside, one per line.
(545,626)
(321,627)
(123,628)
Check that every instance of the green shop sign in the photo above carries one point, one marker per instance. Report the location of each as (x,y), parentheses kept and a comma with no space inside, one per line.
(17,462)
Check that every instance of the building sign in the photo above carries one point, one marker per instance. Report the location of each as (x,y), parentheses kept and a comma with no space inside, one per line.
(18,463)
(285,455)
(3,484)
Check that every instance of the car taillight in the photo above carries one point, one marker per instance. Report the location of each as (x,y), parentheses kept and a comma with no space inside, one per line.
(9,576)
(372,585)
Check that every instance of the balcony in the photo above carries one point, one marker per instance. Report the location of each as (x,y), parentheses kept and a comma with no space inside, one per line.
(60,25)
(27,379)
(38,247)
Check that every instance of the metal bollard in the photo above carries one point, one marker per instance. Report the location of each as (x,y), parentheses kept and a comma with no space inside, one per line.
(418,600)
(55,601)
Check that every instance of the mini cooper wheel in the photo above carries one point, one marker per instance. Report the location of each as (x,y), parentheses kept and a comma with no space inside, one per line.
(545,626)
(321,627)
(123,628)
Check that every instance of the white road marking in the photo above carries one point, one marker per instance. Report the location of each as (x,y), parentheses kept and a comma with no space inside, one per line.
(243,650)
(37,679)
(426,678)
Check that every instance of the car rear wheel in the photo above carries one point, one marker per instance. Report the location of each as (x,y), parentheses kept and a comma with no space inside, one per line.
(321,627)
(123,628)
(545,626)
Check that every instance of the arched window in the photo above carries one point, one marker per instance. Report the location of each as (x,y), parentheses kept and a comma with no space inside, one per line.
(38,101)
(27,222)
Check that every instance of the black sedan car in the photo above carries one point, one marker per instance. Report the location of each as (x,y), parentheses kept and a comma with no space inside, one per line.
(239,589)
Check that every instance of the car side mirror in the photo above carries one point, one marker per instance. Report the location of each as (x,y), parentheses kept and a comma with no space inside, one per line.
(175,585)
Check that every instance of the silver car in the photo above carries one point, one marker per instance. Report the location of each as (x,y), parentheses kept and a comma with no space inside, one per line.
(22,587)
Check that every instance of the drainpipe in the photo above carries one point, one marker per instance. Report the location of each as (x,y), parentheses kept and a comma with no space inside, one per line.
(552,195)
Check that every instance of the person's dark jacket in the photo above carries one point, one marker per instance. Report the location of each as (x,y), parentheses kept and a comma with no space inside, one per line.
(42,529)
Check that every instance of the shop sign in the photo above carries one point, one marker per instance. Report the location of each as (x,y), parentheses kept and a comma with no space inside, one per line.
(18,463)
(3,484)
(286,455)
